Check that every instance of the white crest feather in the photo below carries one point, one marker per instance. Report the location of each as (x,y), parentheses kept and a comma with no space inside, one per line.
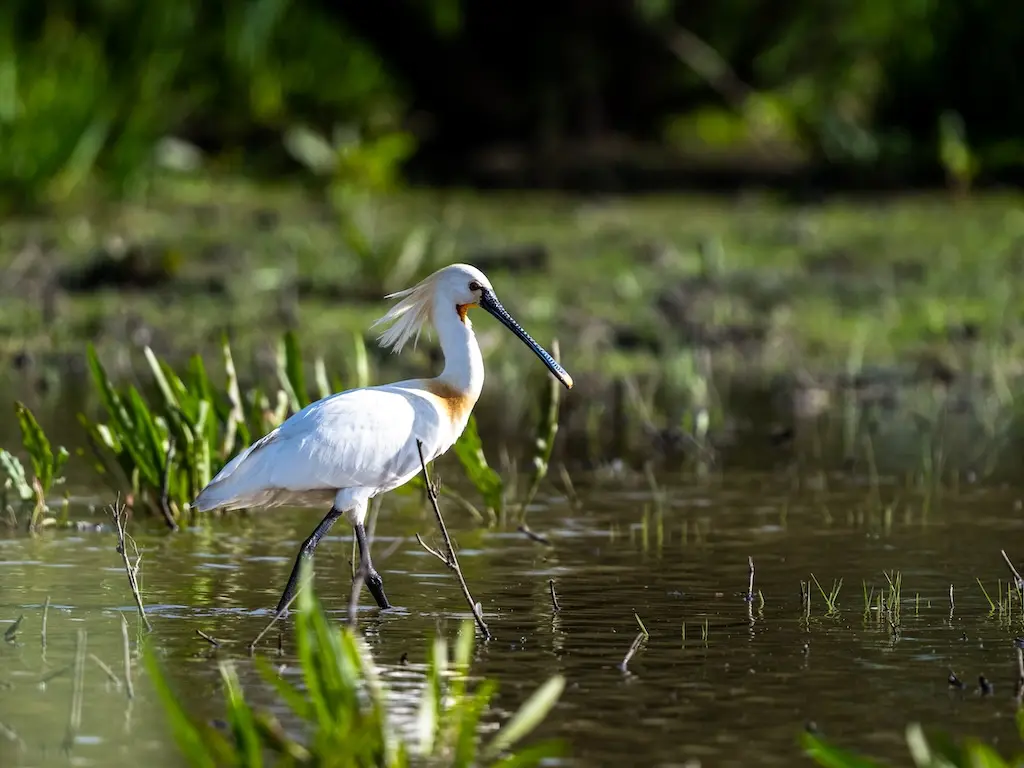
(408,316)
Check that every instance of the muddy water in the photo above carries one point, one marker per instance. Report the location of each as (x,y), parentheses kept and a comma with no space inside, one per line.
(738,696)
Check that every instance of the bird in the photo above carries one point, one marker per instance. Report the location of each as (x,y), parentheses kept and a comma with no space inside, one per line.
(351,446)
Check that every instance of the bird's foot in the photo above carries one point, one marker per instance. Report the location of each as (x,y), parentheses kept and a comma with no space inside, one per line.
(376,586)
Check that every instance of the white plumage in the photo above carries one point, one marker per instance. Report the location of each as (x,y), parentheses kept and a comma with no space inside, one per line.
(338,443)
(348,447)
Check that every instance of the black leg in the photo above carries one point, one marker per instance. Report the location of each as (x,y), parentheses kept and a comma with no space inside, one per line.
(373,580)
(305,553)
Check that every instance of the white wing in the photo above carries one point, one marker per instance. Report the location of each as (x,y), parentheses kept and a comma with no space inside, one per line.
(362,438)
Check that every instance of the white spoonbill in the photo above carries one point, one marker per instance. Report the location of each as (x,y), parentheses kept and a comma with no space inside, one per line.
(348,447)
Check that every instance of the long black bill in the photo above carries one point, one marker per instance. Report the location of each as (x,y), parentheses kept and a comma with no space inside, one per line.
(490,302)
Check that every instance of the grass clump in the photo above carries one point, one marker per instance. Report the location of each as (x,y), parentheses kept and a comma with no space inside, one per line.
(341,704)
(831,597)
(166,448)
(46,465)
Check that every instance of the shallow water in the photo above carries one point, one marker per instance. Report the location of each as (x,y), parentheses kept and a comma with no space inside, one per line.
(740,697)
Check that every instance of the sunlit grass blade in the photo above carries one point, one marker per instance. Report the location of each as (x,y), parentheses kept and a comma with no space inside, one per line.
(235,424)
(15,472)
(470,453)
(466,727)
(289,372)
(241,719)
(528,717)
(290,695)
(323,385)
(991,605)
(535,754)
(429,714)
(361,361)
(199,749)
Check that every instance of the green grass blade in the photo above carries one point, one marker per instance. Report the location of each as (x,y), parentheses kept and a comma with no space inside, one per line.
(470,453)
(290,695)
(190,740)
(108,396)
(467,726)
(323,386)
(240,716)
(236,423)
(36,444)
(161,379)
(362,361)
(532,755)
(529,716)
(289,372)
(16,474)
(150,453)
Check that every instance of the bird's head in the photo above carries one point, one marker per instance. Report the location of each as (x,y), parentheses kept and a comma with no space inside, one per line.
(458,287)
(461,286)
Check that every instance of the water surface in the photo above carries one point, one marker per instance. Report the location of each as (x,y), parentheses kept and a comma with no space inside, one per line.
(736,689)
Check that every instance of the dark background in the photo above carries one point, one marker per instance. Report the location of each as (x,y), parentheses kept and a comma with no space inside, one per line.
(583,94)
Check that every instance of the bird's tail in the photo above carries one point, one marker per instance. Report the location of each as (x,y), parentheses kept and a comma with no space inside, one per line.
(225,491)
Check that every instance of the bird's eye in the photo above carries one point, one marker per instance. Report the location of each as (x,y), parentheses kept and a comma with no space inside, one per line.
(474,286)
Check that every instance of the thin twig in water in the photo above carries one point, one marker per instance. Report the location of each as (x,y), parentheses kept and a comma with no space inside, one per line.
(11,735)
(570,489)
(951,604)
(1016,575)
(524,529)
(554,600)
(42,632)
(637,641)
(119,515)
(451,560)
(212,641)
(273,621)
(640,623)
(77,693)
(53,675)
(12,630)
(106,670)
(750,582)
(126,647)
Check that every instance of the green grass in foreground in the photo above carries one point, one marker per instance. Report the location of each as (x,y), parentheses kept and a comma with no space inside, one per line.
(342,706)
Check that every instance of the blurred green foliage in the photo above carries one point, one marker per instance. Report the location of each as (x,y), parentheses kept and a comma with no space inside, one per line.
(96,85)
(91,89)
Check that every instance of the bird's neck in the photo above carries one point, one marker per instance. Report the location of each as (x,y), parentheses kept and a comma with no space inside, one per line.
(463,363)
